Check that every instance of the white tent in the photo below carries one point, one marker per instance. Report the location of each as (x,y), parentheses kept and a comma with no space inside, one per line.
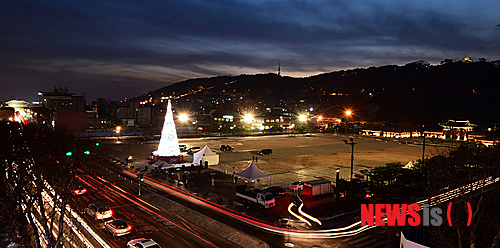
(206,155)
(409,165)
(252,173)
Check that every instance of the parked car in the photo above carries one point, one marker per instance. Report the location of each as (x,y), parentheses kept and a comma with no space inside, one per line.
(193,149)
(142,243)
(299,185)
(273,191)
(79,190)
(364,194)
(99,211)
(226,148)
(265,151)
(118,227)
(281,191)
(183,147)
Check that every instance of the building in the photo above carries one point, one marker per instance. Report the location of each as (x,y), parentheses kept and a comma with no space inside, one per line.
(68,109)
(458,130)
(95,122)
(135,114)
(71,120)
(62,99)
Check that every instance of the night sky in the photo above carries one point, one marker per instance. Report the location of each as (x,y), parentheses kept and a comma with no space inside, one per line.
(116,49)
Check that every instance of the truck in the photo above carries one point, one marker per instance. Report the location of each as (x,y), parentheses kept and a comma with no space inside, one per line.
(263,198)
(317,188)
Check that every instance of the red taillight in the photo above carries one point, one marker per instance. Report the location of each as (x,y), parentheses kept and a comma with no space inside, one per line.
(84,190)
(76,191)
(110,212)
(368,195)
(129,228)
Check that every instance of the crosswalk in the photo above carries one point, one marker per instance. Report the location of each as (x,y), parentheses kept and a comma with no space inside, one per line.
(365,240)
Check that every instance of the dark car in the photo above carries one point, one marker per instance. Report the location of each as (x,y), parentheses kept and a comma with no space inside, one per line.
(193,149)
(226,148)
(265,151)
(274,192)
(79,190)
(281,191)
(365,194)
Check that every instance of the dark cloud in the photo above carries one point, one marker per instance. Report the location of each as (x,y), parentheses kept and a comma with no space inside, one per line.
(122,48)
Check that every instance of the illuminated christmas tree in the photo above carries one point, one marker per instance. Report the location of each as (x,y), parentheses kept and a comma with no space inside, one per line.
(169,145)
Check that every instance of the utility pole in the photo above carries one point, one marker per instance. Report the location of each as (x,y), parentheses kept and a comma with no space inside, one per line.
(337,185)
(352,165)
(423,150)
(140,176)
(494,134)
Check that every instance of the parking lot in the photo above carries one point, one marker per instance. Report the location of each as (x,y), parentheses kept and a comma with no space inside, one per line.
(294,158)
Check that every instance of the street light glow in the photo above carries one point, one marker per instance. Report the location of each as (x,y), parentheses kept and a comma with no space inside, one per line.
(348,112)
(248,118)
(183,117)
(302,118)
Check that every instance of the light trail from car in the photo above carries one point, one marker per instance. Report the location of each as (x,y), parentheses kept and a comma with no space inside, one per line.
(135,200)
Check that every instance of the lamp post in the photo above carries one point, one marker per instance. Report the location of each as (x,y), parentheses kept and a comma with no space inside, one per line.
(352,164)
(337,184)
(213,174)
(183,118)
(348,114)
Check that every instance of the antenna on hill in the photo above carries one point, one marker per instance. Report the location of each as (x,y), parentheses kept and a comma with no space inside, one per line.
(279,69)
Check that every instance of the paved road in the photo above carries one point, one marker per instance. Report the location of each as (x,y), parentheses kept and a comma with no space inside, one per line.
(146,220)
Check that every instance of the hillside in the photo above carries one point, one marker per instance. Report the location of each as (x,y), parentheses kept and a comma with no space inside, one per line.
(413,94)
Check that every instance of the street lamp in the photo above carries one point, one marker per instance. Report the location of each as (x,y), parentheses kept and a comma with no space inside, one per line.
(352,164)
(213,174)
(183,118)
(248,118)
(234,179)
(337,184)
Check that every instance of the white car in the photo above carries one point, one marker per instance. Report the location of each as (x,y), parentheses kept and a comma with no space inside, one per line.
(142,243)
(118,227)
(297,185)
(99,211)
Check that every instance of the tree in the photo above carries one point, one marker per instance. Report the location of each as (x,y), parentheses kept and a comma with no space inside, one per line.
(459,169)
(34,161)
